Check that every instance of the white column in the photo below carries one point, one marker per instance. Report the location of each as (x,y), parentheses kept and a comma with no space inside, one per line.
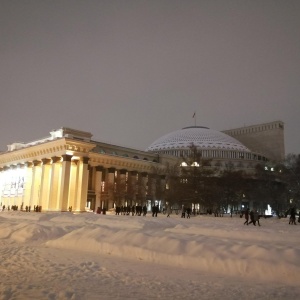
(132,187)
(45,184)
(122,183)
(162,183)
(2,181)
(54,183)
(27,184)
(82,184)
(14,194)
(109,203)
(143,178)
(1,187)
(20,185)
(152,187)
(73,184)
(36,183)
(63,200)
(98,185)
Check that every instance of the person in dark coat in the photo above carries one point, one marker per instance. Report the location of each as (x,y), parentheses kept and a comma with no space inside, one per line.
(144,210)
(183,212)
(133,210)
(252,218)
(156,210)
(128,210)
(246,216)
(153,210)
(188,213)
(293,216)
(256,217)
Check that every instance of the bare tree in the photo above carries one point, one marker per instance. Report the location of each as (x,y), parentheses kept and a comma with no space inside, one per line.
(268,187)
(233,185)
(290,170)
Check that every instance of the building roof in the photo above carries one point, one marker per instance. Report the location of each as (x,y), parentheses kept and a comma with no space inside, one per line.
(201,137)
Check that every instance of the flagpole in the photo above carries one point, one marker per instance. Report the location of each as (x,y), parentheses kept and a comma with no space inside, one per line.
(194,117)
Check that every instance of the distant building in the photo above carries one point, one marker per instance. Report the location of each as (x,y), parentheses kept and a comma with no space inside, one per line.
(242,148)
(267,139)
(70,171)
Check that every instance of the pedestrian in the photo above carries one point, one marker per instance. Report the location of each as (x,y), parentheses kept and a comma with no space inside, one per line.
(183,212)
(128,210)
(188,212)
(144,211)
(251,214)
(168,211)
(153,210)
(133,210)
(246,212)
(156,210)
(256,217)
(293,216)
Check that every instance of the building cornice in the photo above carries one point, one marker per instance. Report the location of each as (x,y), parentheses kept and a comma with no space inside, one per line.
(47,149)
(131,164)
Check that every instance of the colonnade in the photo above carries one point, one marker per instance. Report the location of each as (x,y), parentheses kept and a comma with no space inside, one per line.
(63,182)
(54,184)
(114,187)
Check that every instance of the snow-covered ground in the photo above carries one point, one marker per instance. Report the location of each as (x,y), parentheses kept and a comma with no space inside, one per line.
(90,256)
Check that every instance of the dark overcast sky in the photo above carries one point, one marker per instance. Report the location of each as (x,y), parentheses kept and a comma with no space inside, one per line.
(132,71)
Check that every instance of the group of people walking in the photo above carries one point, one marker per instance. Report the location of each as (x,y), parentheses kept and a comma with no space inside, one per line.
(37,208)
(186,211)
(137,210)
(253,215)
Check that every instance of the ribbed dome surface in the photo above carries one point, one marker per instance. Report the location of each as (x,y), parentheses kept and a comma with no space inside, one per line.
(201,137)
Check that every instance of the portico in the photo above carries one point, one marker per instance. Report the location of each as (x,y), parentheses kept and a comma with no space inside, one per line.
(69,171)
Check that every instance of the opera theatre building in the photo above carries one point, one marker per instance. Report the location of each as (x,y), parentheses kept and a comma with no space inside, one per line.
(70,171)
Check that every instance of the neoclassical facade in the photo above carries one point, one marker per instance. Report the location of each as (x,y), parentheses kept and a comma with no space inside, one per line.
(68,170)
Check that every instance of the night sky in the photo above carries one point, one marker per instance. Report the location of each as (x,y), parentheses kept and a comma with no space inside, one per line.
(132,71)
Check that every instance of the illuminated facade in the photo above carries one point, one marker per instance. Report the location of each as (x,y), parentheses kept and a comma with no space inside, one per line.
(68,170)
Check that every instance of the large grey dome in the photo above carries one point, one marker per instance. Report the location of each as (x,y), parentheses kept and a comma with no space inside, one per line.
(201,137)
